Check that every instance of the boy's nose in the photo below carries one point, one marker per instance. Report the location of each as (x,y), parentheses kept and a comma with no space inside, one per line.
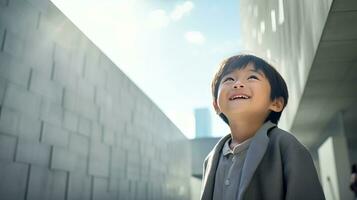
(238,84)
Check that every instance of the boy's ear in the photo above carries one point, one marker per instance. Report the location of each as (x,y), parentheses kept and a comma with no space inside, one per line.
(216,108)
(277,104)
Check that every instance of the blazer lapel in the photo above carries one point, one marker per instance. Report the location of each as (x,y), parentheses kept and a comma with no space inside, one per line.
(255,154)
(210,172)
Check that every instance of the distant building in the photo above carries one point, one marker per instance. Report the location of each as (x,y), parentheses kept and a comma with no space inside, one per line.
(203,123)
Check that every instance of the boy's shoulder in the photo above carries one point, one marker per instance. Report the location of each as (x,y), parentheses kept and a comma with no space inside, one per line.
(281,135)
(286,141)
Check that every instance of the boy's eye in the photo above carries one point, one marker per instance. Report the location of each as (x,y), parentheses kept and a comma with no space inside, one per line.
(228,79)
(253,77)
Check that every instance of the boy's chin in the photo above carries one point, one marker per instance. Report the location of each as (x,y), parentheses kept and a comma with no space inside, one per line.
(234,115)
(235,110)
(239,115)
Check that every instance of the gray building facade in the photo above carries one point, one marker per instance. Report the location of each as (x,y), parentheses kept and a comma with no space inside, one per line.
(72,125)
(313,45)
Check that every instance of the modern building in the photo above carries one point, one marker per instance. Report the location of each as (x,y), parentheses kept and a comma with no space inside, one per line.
(203,122)
(313,44)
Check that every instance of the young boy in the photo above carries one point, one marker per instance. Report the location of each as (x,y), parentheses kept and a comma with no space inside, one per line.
(257,160)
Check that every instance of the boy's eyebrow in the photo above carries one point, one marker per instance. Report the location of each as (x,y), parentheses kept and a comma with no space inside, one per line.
(257,71)
(252,70)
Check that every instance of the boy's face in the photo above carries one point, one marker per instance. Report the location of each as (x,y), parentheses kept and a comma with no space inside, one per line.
(245,93)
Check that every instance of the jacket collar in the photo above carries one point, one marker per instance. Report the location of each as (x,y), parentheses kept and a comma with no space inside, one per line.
(254,155)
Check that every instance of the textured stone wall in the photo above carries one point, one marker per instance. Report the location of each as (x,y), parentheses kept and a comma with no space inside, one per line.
(72,125)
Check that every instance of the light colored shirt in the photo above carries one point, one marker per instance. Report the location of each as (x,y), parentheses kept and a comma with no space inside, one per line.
(229,170)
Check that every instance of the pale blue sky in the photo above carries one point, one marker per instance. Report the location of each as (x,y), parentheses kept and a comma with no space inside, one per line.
(170,49)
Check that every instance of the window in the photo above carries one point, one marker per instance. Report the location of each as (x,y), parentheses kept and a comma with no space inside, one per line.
(273,21)
(281,11)
(262,27)
(260,39)
(268,54)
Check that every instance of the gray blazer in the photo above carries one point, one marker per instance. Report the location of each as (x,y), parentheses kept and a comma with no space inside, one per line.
(277,166)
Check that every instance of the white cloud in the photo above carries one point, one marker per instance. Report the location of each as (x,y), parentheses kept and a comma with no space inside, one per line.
(158,18)
(195,37)
(181,10)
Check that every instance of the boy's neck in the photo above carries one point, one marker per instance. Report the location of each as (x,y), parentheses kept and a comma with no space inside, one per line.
(241,131)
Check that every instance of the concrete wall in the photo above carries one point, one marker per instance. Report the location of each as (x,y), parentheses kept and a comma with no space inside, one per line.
(200,147)
(349,117)
(334,161)
(72,125)
(328,171)
(290,45)
(196,185)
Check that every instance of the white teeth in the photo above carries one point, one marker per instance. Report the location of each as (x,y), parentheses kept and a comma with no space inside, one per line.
(239,97)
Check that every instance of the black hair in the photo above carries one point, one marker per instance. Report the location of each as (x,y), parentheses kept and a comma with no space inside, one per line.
(276,81)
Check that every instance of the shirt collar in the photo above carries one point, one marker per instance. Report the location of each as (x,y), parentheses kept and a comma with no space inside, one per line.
(237,149)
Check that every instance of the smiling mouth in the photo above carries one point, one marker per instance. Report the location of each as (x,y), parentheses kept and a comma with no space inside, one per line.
(237,97)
